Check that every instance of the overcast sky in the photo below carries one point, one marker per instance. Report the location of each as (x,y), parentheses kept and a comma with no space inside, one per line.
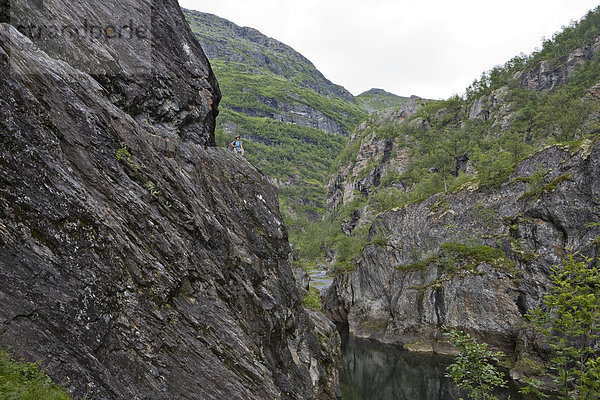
(432,49)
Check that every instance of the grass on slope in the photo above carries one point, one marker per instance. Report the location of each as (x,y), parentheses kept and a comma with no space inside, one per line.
(263,91)
(378,99)
(296,155)
(25,381)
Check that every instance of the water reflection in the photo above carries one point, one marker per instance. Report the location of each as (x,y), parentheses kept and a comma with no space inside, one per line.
(372,371)
(320,279)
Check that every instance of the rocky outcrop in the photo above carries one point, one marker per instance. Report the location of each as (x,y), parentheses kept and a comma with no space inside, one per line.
(376,157)
(299,114)
(547,76)
(476,259)
(120,46)
(132,263)
(495,106)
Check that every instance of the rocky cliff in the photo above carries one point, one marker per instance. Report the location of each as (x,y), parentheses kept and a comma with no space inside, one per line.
(452,213)
(375,157)
(135,260)
(473,259)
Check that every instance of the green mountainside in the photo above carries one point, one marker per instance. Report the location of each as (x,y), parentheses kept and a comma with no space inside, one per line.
(226,41)
(292,120)
(378,99)
(408,148)
(402,156)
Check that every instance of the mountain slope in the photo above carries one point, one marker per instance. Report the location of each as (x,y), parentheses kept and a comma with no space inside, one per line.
(378,99)
(451,213)
(292,119)
(223,40)
(262,77)
(136,260)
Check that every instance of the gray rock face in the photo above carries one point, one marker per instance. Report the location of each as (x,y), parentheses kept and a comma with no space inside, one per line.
(372,151)
(150,46)
(135,262)
(494,106)
(547,76)
(299,114)
(476,259)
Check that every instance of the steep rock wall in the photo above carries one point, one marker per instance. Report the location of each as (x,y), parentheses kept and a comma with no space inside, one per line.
(134,261)
(475,259)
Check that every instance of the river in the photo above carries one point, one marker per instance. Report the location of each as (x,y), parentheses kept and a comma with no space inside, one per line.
(375,371)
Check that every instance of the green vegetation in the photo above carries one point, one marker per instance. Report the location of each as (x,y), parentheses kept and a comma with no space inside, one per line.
(151,188)
(485,216)
(520,122)
(25,381)
(262,92)
(570,322)
(378,99)
(312,299)
(475,367)
(265,86)
(540,118)
(536,191)
(478,254)
(283,151)
(455,256)
(312,240)
(253,52)
(123,154)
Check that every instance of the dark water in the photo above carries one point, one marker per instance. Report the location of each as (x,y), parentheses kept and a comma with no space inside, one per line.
(372,371)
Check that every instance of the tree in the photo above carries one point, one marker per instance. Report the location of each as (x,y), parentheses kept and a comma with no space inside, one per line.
(443,162)
(564,114)
(570,322)
(474,369)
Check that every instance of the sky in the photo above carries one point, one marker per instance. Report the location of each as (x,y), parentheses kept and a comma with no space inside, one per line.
(429,48)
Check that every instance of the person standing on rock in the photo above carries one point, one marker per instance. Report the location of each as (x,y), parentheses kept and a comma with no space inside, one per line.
(237,146)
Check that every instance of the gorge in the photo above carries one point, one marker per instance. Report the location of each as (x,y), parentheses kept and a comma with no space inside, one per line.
(140,259)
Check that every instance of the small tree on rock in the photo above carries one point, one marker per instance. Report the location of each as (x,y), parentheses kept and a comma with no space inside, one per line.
(475,367)
(570,322)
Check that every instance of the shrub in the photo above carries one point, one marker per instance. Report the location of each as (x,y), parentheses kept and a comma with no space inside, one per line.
(312,299)
(570,322)
(474,370)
